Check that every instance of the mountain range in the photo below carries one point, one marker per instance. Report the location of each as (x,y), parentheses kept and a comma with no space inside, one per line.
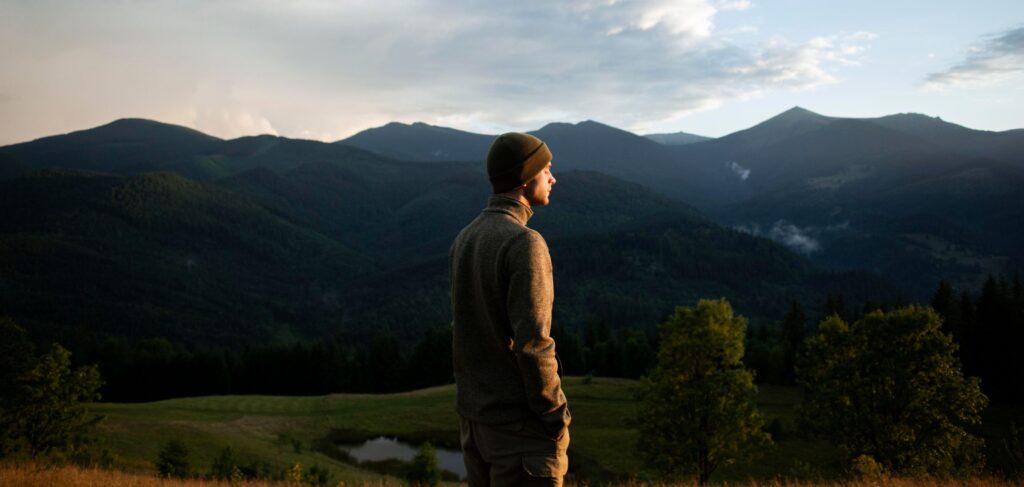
(908,196)
(139,228)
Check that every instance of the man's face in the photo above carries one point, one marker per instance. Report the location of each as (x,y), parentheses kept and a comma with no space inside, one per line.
(538,189)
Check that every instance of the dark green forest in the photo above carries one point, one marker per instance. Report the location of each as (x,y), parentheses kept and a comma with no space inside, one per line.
(155,368)
(183,264)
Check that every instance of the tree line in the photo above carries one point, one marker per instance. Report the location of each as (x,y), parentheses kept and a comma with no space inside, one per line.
(984,325)
(989,327)
(154,369)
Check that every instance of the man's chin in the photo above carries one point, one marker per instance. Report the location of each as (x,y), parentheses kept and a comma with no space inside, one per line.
(540,201)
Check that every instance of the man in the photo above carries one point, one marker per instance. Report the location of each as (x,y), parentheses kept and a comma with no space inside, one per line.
(514,416)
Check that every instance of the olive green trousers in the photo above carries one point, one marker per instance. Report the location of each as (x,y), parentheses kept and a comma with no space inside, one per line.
(519,453)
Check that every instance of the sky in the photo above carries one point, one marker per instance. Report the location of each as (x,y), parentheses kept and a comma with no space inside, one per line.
(325,70)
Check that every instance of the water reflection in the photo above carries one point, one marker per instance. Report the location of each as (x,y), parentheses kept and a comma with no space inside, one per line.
(384,448)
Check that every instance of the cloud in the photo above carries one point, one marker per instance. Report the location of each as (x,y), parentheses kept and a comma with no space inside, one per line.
(217,110)
(323,69)
(805,240)
(740,171)
(1000,58)
(793,237)
(733,4)
(686,22)
(783,64)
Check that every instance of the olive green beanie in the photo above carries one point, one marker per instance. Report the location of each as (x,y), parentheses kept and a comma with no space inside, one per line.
(514,159)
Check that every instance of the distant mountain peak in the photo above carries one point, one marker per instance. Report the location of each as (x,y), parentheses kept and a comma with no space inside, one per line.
(555,125)
(677,138)
(136,120)
(407,128)
(137,126)
(585,126)
(799,113)
(420,141)
(914,115)
(923,125)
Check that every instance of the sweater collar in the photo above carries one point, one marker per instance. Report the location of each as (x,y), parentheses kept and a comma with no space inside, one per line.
(512,207)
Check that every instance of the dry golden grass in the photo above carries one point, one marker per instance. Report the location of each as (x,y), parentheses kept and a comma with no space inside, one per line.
(885,482)
(25,475)
(21,474)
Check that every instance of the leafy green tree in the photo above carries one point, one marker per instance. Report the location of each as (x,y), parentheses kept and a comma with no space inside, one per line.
(890,387)
(45,413)
(424,469)
(698,409)
(172,461)
(16,357)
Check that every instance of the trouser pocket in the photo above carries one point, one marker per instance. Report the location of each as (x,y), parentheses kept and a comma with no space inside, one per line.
(546,466)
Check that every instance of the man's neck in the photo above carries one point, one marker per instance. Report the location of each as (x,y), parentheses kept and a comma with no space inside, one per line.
(516,195)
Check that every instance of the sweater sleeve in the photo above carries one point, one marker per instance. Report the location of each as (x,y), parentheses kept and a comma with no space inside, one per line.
(530,297)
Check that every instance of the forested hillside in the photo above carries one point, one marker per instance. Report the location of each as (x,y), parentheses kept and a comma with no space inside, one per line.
(208,246)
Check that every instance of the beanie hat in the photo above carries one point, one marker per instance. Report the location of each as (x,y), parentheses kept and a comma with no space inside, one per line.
(514,159)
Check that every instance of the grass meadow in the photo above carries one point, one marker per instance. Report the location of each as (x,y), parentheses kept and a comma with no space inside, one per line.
(284,431)
(25,475)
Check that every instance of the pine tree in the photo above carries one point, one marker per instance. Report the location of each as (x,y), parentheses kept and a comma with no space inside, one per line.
(969,336)
(792,339)
(944,302)
(835,305)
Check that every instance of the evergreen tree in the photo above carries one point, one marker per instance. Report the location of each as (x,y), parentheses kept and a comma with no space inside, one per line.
(697,405)
(384,364)
(835,305)
(1018,290)
(570,350)
(968,332)
(792,340)
(998,338)
(945,303)
(890,387)
(431,360)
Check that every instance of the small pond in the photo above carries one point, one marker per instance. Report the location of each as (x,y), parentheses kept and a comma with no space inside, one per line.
(384,448)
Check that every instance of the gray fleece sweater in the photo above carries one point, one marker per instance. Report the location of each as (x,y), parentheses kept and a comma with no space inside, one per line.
(502,291)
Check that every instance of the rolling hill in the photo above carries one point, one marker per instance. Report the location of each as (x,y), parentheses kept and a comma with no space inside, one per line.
(160,255)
